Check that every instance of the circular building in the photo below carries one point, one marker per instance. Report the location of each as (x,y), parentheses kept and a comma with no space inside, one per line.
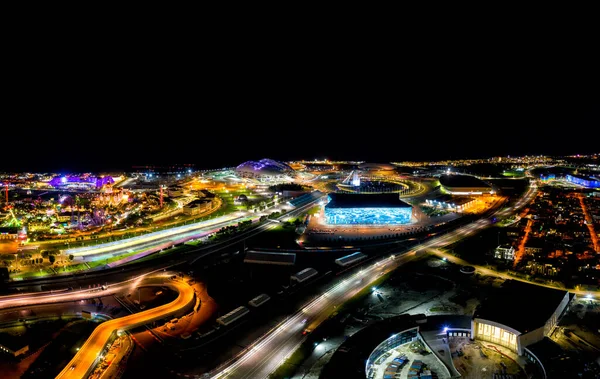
(397,347)
(263,169)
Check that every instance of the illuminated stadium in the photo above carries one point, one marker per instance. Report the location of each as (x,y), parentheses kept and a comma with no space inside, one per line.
(464,185)
(80,181)
(362,209)
(585,181)
(264,169)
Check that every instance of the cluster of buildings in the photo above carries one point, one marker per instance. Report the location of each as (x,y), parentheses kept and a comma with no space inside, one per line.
(498,319)
(558,236)
(520,160)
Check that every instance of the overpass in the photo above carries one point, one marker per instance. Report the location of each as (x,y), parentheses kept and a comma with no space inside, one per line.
(88,355)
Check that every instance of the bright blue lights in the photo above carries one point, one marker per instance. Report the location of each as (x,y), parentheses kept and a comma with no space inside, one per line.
(584,181)
(346,216)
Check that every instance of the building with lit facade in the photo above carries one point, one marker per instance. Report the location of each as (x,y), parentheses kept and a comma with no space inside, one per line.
(372,351)
(585,181)
(81,182)
(363,209)
(198,206)
(518,315)
(505,252)
(456,184)
(449,202)
(265,170)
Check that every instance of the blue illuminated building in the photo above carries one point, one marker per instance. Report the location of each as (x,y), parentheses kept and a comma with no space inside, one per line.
(383,208)
(589,182)
(547,177)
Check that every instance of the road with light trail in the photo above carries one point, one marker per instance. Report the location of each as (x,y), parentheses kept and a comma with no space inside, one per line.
(90,353)
(268,352)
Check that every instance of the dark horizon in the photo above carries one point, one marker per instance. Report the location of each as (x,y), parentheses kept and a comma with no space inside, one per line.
(117,117)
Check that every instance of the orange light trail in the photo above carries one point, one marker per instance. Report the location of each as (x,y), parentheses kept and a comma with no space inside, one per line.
(590,223)
(521,250)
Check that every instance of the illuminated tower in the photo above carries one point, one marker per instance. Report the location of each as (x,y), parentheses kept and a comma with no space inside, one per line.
(355,179)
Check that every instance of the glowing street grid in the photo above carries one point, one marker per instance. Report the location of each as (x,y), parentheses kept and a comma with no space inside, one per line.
(344,216)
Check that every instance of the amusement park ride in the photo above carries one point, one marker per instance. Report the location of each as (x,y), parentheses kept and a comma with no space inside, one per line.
(11,221)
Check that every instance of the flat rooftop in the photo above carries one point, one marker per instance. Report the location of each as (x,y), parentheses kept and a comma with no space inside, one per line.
(305,274)
(521,306)
(348,259)
(14,342)
(197,203)
(556,361)
(265,257)
(380,200)
(458,181)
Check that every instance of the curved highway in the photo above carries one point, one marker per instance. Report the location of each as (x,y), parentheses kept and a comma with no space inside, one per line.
(88,355)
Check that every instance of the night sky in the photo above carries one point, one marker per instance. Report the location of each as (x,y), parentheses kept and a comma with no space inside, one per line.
(114,113)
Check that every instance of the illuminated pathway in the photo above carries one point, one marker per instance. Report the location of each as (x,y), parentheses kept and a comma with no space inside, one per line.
(263,356)
(590,223)
(521,249)
(61,296)
(85,359)
(487,271)
(155,238)
(152,242)
(87,356)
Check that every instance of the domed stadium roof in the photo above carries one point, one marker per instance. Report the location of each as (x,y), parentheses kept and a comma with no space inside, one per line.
(376,166)
(264,167)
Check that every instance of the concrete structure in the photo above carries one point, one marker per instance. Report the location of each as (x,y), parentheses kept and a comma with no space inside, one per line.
(305,198)
(270,258)
(197,206)
(372,351)
(232,316)
(13,345)
(304,275)
(464,185)
(363,209)
(176,191)
(518,315)
(259,300)
(87,356)
(350,259)
(505,252)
